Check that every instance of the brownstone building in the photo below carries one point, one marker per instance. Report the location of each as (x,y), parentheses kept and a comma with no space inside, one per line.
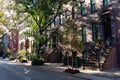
(99,21)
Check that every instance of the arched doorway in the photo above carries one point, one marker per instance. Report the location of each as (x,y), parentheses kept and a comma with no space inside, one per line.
(106,23)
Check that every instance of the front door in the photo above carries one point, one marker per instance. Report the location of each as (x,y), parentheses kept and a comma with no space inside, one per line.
(107,27)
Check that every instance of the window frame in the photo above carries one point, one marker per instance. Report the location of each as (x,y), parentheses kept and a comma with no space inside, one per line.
(83,10)
(93,5)
(84,33)
(94,31)
(106,2)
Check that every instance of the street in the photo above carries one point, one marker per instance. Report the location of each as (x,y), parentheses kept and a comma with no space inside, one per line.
(12,71)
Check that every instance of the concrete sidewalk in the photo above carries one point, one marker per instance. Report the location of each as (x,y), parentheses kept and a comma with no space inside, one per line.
(112,74)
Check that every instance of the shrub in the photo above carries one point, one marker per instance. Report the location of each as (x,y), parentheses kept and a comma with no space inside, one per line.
(8,51)
(37,61)
(23,60)
(11,58)
(22,53)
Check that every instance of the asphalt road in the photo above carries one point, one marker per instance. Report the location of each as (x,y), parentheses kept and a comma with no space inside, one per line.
(11,71)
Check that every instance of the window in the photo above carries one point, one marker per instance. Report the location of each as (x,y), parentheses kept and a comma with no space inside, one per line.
(56,22)
(93,5)
(94,31)
(21,46)
(60,19)
(67,14)
(84,34)
(73,12)
(83,9)
(106,2)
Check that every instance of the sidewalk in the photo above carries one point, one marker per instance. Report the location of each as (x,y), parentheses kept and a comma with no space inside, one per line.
(112,74)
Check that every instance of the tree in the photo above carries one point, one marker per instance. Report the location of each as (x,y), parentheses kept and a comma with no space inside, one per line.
(72,35)
(8,16)
(1,21)
(72,29)
(14,20)
(42,14)
(1,18)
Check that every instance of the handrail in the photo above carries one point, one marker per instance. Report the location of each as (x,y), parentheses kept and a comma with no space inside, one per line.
(109,42)
(87,52)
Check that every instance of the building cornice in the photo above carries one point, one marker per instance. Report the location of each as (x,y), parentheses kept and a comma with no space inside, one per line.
(105,10)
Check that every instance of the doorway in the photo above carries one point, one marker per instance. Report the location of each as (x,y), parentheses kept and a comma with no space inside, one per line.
(107,30)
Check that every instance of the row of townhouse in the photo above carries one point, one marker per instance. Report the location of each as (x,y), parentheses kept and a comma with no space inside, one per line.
(98,19)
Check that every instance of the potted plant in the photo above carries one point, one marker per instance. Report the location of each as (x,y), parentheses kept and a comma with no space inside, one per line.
(100,41)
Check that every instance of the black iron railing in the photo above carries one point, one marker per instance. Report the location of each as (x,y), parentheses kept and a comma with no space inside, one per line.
(86,53)
(103,51)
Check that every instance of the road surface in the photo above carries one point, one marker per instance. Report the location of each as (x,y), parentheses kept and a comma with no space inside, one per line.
(12,71)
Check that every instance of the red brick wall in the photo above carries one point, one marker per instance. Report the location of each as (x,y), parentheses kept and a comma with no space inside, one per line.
(14,40)
(118,54)
(111,60)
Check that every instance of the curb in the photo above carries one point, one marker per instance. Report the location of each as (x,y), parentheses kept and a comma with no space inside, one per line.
(59,72)
(81,77)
